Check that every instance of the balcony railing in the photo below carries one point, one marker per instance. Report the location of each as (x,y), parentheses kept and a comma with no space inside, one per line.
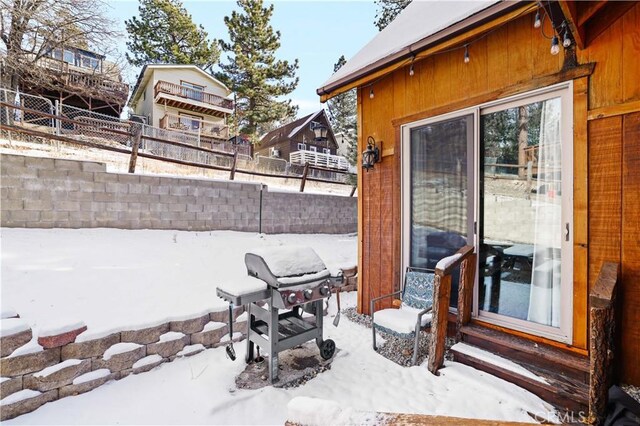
(192,94)
(194,125)
(76,77)
(319,159)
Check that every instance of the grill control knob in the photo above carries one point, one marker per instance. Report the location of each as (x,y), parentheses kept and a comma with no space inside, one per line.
(291,298)
(324,290)
(308,294)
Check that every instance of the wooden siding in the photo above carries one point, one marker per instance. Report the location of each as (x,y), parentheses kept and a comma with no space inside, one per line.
(606,153)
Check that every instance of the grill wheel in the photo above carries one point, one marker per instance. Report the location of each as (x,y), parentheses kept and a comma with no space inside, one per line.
(327,349)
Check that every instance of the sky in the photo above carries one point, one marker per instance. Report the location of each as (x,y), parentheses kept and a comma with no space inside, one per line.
(314,32)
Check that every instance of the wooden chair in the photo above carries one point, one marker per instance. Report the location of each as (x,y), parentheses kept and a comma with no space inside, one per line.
(414,312)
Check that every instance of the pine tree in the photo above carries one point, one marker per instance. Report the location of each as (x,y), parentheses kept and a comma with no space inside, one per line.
(253,72)
(387,11)
(343,113)
(165,33)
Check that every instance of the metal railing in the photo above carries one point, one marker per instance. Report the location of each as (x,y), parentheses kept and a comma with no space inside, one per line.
(191,94)
(206,128)
(319,159)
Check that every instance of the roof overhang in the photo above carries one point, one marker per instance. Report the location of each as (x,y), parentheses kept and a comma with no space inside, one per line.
(454,34)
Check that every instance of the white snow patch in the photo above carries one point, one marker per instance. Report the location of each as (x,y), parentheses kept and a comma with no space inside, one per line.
(445,262)
(495,360)
(31,347)
(304,278)
(120,348)
(244,285)
(55,368)
(60,326)
(151,359)
(20,396)
(242,317)
(309,411)
(171,336)
(4,379)
(191,349)
(214,325)
(92,375)
(225,338)
(287,261)
(11,326)
(401,320)
(7,312)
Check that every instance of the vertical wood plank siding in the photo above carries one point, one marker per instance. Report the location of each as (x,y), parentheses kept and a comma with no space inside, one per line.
(606,155)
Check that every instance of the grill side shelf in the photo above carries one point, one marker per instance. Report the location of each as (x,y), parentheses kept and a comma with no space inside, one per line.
(243,299)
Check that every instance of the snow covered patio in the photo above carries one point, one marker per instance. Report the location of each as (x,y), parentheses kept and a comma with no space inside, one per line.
(116,279)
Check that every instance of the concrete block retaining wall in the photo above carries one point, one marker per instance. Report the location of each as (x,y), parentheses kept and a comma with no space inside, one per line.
(55,193)
(82,366)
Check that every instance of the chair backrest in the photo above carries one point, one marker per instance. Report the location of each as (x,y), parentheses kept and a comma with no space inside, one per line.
(418,288)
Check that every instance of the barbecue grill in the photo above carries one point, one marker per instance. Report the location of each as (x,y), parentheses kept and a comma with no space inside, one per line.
(291,280)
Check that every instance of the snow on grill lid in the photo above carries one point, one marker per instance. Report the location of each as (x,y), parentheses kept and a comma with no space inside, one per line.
(290,260)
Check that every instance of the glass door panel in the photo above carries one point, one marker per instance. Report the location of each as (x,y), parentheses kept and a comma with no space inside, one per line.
(520,212)
(438,195)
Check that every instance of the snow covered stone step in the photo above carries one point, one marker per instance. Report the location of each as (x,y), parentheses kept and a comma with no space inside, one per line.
(120,356)
(191,350)
(9,385)
(237,336)
(15,332)
(87,382)
(57,375)
(223,314)
(23,402)
(147,363)
(210,334)
(18,365)
(8,312)
(170,344)
(60,333)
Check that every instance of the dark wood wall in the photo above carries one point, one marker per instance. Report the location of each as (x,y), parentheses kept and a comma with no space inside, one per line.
(515,58)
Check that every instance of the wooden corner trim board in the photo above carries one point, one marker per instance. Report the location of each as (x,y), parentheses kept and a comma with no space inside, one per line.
(580,71)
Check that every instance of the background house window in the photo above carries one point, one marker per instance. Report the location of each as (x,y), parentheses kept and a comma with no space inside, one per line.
(326,150)
(313,149)
(192,91)
(69,56)
(302,147)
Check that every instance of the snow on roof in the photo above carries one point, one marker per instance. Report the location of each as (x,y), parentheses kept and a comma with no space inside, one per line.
(420,19)
(311,117)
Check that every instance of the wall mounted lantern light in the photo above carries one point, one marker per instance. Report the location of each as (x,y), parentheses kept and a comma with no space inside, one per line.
(371,155)
(319,131)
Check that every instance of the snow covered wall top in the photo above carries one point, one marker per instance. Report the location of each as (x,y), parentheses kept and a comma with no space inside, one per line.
(420,19)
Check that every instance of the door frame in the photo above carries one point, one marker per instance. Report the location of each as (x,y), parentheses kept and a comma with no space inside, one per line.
(564,90)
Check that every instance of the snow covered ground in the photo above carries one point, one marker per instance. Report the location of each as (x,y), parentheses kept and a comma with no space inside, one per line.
(114,278)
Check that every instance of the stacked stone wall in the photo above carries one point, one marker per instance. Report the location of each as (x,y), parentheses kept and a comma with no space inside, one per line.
(79,366)
(40,192)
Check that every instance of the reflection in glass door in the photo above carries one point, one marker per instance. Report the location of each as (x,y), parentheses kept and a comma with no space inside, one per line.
(522,227)
(438,211)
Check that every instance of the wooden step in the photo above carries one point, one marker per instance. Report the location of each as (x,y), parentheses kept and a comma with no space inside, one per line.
(542,357)
(564,393)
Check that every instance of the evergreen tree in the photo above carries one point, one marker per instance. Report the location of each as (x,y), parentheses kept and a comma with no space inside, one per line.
(253,72)
(165,33)
(343,113)
(387,10)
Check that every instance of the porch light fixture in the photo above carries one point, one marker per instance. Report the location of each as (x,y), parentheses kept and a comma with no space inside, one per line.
(319,131)
(537,23)
(371,155)
(466,54)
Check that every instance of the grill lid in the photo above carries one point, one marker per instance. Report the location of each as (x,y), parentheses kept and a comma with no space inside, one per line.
(286,266)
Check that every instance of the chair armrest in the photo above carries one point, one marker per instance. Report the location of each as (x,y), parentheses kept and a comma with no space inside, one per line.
(374,300)
(424,311)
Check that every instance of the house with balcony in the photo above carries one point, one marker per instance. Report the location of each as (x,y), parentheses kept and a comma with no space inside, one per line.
(309,139)
(79,78)
(184,98)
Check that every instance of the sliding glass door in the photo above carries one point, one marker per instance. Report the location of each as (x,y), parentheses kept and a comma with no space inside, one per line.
(525,215)
(439,173)
(498,176)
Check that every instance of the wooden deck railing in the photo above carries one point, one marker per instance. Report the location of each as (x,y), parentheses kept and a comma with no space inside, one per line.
(192,94)
(465,258)
(194,125)
(602,330)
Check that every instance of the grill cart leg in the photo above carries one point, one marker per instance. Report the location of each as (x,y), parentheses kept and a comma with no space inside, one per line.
(231,353)
(273,344)
(249,356)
